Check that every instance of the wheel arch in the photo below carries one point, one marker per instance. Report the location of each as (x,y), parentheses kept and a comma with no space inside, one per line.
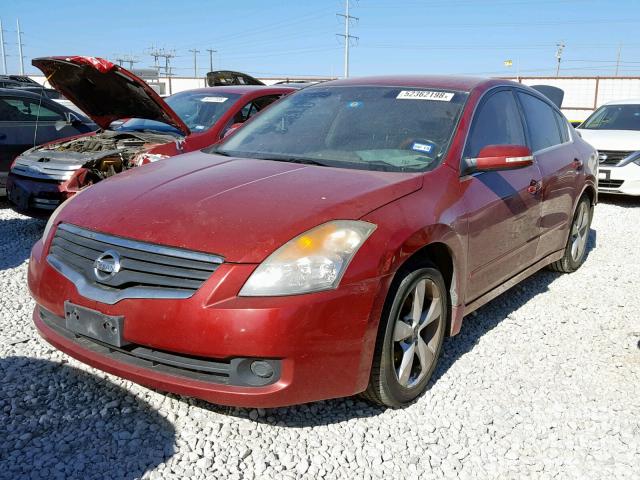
(443,247)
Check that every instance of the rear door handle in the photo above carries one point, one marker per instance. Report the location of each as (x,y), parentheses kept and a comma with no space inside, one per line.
(534,187)
(3,136)
(577,164)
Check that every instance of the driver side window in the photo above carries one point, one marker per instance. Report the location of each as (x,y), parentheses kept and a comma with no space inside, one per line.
(497,122)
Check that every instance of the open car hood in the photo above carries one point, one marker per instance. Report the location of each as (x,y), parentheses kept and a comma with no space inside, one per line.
(106,91)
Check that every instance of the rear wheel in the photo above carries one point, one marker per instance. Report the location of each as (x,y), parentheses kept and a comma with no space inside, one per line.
(410,338)
(576,248)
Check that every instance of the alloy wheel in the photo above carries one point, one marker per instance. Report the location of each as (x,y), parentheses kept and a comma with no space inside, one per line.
(416,332)
(580,232)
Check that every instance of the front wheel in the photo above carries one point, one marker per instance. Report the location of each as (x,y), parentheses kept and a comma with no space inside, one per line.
(576,248)
(410,338)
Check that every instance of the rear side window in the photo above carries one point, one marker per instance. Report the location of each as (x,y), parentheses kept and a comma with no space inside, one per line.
(564,127)
(497,122)
(541,121)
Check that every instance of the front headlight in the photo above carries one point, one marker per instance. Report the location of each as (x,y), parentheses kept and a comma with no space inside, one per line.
(313,261)
(633,158)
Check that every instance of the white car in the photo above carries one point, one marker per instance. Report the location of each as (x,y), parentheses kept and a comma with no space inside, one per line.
(614,130)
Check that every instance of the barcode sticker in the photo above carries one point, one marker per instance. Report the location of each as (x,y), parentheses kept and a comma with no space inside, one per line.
(425,95)
(214,99)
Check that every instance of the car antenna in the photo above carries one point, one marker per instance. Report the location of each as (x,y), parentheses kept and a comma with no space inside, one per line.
(35,132)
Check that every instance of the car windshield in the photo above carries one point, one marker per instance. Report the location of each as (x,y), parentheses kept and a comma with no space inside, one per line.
(614,117)
(198,110)
(396,129)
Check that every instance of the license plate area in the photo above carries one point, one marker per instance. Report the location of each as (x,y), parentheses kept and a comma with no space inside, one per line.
(604,174)
(93,324)
(19,197)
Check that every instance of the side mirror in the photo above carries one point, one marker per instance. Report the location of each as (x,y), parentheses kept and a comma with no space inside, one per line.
(231,129)
(499,157)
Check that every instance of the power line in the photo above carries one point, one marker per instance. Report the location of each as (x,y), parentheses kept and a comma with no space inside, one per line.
(347,37)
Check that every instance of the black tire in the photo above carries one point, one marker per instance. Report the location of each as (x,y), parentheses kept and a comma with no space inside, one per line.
(385,387)
(580,225)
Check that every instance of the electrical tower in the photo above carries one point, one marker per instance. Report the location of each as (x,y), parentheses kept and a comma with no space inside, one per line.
(157,53)
(195,52)
(20,45)
(4,54)
(130,59)
(560,46)
(347,37)
(211,52)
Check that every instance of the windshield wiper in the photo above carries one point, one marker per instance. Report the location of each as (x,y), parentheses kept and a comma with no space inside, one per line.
(305,161)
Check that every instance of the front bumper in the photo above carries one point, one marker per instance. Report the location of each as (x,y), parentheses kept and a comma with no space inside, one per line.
(620,180)
(3,183)
(320,343)
(36,198)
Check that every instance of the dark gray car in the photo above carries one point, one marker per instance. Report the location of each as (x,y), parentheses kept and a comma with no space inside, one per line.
(28,119)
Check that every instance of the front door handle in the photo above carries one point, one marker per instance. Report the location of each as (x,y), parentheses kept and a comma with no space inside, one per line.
(3,136)
(534,187)
(577,164)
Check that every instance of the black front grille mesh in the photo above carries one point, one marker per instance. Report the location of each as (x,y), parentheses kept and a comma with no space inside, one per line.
(610,183)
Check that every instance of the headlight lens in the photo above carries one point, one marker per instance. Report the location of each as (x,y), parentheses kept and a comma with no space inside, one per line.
(313,261)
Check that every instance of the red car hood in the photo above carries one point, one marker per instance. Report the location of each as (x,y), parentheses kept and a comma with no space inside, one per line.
(105,91)
(240,209)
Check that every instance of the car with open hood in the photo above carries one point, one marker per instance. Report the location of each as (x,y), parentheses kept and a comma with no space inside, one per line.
(325,248)
(44,176)
(614,130)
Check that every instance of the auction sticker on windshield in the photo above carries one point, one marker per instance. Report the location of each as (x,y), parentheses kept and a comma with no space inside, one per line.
(214,99)
(425,95)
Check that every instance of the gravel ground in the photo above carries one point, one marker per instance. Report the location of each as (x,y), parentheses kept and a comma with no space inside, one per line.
(543,382)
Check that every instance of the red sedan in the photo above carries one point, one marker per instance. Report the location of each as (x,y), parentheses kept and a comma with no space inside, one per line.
(44,176)
(323,250)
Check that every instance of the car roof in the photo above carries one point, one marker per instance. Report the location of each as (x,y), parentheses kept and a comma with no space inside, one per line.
(18,92)
(453,82)
(243,89)
(629,101)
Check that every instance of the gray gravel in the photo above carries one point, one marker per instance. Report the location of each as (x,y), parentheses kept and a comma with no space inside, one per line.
(544,382)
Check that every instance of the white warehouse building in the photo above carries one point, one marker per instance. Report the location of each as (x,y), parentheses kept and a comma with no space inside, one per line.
(581,94)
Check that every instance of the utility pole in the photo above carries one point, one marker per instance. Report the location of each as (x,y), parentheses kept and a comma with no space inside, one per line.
(618,59)
(347,37)
(130,59)
(4,54)
(155,53)
(211,52)
(167,65)
(20,48)
(560,46)
(195,52)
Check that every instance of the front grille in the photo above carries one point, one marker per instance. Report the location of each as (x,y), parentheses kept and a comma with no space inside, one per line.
(43,170)
(612,157)
(610,183)
(139,269)
(231,371)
